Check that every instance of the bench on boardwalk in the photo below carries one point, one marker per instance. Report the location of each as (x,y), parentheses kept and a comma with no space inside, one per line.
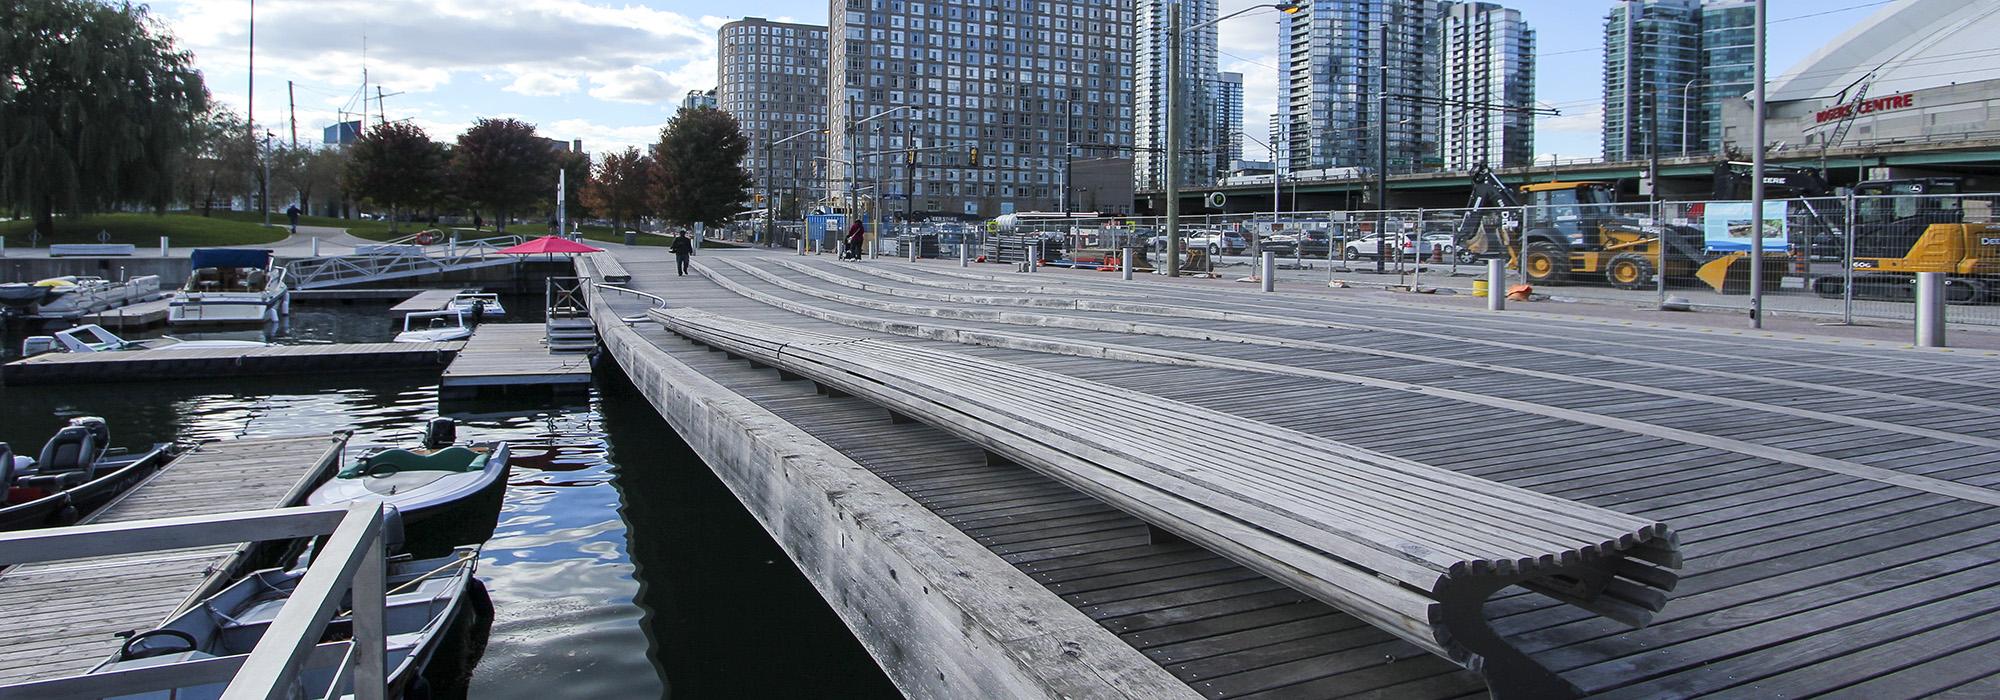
(1411,549)
(609,270)
(91,249)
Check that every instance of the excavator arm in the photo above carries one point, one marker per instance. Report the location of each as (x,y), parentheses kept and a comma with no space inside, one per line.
(1488,194)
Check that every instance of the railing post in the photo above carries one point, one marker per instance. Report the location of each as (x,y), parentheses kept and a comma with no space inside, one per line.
(163,246)
(1267,269)
(1930,309)
(1496,284)
(1125,270)
(371,656)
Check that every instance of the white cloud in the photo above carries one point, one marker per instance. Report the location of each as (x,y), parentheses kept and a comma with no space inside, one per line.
(542,84)
(634,84)
(602,138)
(1589,120)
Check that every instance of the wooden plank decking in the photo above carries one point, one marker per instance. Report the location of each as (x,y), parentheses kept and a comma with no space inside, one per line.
(62,617)
(427,300)
(1836,500)
(171,363)
(514,354)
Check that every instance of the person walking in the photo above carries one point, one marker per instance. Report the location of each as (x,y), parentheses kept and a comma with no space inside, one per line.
(292,212)
(856,235)
(683,249)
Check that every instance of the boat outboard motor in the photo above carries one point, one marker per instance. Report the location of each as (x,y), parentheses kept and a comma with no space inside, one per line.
(392,529)
(440,433)
(100,430)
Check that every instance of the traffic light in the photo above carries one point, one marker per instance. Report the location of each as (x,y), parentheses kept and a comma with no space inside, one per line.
(910,157)
(760,199)
(975,156)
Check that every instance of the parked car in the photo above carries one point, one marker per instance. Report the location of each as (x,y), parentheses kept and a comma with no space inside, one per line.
(1217,242)
(1307,244)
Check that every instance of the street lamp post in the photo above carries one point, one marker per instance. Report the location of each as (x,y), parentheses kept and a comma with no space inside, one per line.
(770,195)
(1173,151)
(1685,89)
(853,200)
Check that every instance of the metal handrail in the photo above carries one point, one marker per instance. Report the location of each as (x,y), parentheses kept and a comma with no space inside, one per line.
(659,302)
(314,271)
(352,559)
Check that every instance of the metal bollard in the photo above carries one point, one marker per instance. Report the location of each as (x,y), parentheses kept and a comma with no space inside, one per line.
(964,255)
(1034,257)
(1496,284)
(3,246)
(163,246)
(802,246)
(315,246)
(1267,271)
(1930,309)
(1125,270)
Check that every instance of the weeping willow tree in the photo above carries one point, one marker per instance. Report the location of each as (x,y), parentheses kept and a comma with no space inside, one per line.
(97,107)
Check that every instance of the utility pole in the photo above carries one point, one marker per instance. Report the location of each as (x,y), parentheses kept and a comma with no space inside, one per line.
(292,107)
(1757,178)
(1173,184)
(1382,153)
(1653,141)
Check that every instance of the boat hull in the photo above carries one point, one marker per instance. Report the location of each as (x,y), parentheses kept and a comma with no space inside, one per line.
(193,309)
(78,502)
(455,510)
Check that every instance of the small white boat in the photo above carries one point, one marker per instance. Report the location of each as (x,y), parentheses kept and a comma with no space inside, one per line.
(448,494)
(71,296)
(434,327)
(426,597)
(232,285)
(487,302)
(91,337)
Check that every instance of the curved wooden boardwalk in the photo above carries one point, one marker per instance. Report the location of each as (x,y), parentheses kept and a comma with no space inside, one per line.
(1835,501)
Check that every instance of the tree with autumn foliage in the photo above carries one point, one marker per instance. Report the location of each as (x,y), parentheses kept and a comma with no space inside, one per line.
(502,165)
(620,188)
(396,165)
(698,168)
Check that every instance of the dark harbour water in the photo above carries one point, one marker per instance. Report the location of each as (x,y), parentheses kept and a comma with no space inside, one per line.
(622,568)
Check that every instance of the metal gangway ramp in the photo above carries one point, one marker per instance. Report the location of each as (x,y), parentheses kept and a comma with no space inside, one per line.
(410,256)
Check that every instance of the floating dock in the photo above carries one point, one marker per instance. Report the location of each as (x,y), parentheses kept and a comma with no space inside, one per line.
(140,315)
(427,300)
(171,363)
(501,356)
(65,617)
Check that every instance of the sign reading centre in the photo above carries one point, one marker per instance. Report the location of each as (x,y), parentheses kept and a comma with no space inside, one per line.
(1879,104)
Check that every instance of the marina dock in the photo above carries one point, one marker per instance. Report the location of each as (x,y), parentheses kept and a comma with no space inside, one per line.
(1831,496)
(169,363)
(64,617)
(502,356)
(140,315)
(427,300)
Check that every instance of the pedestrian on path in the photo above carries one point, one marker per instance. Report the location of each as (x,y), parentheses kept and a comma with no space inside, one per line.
(856,235)
(683,249)
(292,212)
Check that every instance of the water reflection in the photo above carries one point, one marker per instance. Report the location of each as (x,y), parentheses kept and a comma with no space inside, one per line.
(620,561)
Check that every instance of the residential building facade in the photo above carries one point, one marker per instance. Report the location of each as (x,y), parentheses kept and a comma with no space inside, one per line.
(1337,65)
(1652,51)
(699,98)
(771,76)
(1198,97)
(1228,122)
(918,87)
(1728,55)
(1486,80)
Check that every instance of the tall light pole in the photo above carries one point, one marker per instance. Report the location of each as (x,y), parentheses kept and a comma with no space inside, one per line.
(770,195)
(1685,89)
(1757,178)
(1173,150)
(853,200)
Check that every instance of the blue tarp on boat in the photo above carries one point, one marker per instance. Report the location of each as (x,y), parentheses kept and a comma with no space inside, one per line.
(231,257)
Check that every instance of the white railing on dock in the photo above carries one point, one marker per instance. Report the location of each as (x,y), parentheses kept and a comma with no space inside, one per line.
(352,559)
(659,302)
(402,257)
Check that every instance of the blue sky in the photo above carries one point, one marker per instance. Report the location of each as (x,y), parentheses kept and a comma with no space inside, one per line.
(611,72)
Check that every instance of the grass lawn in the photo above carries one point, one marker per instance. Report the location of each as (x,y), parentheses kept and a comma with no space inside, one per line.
(145,230)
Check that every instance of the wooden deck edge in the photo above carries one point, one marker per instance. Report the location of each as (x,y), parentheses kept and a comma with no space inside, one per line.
(941,614)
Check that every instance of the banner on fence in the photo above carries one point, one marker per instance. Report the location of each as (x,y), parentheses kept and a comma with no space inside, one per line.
(1726,226)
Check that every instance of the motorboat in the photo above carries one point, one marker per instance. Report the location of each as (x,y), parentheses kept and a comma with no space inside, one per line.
(231,285)
(91,337)
(70,296)
(447,493)
(434,327)
(427,603)
(487,303)
(76,473)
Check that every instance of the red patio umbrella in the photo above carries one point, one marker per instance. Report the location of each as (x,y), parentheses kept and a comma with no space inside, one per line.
(549,244)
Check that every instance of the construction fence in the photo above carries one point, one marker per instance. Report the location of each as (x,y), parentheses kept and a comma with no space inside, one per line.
(1682,253)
